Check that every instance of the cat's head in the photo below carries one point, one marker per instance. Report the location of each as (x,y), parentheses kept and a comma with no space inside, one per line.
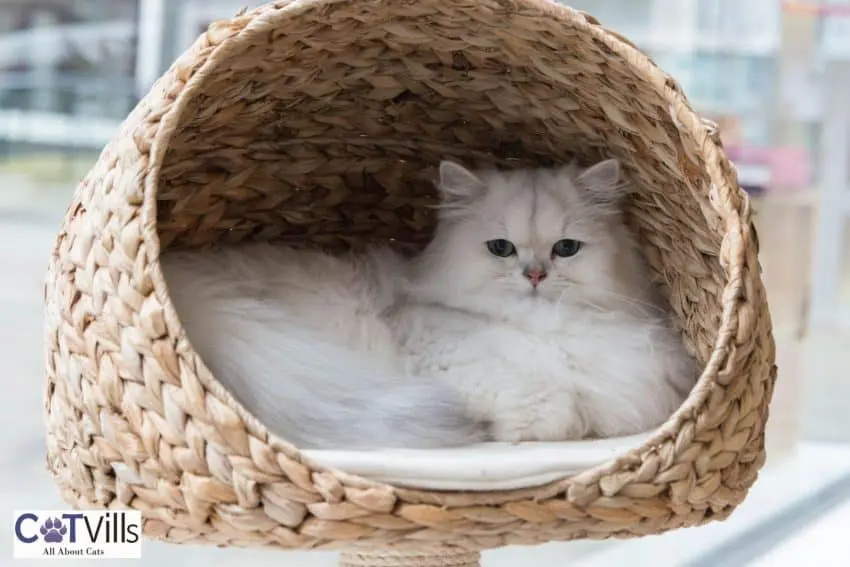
(550,234)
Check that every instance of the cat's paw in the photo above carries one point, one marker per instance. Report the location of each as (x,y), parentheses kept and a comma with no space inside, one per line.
(552,429)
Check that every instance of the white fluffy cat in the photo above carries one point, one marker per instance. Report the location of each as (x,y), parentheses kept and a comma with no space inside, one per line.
(530,316)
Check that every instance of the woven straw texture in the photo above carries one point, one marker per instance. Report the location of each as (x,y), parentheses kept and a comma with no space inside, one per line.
(320,123)
(401,559)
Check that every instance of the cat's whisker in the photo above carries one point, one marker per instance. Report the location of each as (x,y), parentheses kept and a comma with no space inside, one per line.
(624,302)
(631,301)
(584,301)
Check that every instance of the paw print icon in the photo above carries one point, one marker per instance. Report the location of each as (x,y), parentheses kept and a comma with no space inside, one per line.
(53,530)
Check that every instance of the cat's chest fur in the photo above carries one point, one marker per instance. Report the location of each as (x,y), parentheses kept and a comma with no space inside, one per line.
(439,339)
(536,371)
(510,371)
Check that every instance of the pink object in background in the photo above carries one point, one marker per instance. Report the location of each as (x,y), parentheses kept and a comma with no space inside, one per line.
(789,167)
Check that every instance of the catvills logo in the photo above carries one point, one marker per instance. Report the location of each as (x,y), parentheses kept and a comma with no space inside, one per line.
(89,534)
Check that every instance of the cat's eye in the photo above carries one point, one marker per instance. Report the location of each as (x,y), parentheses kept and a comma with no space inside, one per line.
(566,248)
(501,247)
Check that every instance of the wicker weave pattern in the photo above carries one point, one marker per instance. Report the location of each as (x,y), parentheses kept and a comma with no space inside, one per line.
(317,122)
(390,559)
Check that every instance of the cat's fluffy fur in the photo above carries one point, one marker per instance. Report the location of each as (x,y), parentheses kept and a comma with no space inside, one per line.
(455,345)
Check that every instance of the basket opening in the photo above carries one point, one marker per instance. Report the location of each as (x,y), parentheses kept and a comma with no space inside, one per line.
(334,144)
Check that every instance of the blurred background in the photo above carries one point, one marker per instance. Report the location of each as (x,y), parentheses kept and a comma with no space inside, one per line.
(774,75)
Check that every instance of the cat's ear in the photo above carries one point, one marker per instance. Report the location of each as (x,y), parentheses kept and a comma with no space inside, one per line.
(602,181)
(457,184)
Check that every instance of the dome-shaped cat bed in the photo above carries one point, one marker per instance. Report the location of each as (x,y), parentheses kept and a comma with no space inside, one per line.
(319,122)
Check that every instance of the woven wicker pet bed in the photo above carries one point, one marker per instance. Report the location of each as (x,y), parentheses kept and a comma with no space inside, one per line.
(319,122)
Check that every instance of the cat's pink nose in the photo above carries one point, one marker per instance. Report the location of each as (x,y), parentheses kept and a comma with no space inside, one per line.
(535,276)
